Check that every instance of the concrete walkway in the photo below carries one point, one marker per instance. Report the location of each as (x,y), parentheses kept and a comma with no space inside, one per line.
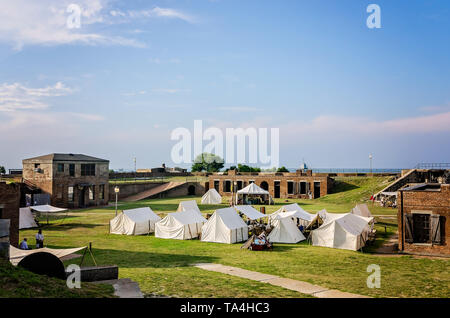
(292,284)
(124,288)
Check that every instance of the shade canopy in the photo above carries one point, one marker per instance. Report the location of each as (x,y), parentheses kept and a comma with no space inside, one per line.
(183,225)
(46,208)
(211,197)
(252,188)
(225,226)
(250,212)
(134,222)
(345,231)
(285,231)
(16,255)
(189,206)
(26,219)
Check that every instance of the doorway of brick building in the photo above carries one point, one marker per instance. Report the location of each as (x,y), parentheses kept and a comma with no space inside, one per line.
(276,188)
(316,190)
(421,228)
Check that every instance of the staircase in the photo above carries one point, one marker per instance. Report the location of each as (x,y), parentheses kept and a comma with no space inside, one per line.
(154,191)
(397,184)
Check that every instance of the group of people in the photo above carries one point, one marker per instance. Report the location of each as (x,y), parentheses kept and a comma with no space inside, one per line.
(39,242)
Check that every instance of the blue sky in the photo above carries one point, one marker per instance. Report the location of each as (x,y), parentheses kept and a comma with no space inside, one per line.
(136,70)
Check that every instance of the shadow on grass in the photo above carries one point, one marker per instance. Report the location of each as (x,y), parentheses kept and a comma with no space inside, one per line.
(67,226)
(342,186)
(139,259)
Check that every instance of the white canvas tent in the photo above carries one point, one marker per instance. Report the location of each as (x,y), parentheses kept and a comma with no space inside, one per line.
(253,190)
(250,212)
(211,197)
(26,219)
(183,225)
(362,210)
(225,226)
(295,211)
(284,230)
(134,222)
(345,231)
(189,206)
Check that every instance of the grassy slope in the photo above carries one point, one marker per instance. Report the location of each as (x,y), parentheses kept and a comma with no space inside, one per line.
(18,282)
(163,266)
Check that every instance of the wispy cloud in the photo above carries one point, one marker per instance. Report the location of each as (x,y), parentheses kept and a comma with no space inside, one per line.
(44,22)
(16,96)
(239,109)
(170,90)
(152,13)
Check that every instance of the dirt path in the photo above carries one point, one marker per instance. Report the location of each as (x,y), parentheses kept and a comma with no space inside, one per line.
(292,284)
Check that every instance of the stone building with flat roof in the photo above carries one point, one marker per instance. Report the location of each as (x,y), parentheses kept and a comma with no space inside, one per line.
(71,180)
(302,184)
(423,218)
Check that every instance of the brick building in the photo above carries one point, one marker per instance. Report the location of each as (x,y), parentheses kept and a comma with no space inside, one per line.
(71,180)
(9,209)
(423,218)
(300,184)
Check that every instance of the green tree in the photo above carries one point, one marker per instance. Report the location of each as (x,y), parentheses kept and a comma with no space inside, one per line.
(207,162)
(245,168)
(2,170)
(282,169)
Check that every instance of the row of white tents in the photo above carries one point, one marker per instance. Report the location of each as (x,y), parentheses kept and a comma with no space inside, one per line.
(345,231)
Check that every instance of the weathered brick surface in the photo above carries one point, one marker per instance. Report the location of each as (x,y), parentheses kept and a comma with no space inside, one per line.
(436,202)
(55,183)
(326,182)
(10,203)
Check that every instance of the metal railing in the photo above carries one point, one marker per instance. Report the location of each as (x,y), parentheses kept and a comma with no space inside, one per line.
(424,165)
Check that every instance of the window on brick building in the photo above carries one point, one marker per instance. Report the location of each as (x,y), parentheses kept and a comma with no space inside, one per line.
(70,194)
(101,194)
(91,192)
(227,186)
(88,169)
(302,186)
(216,185)
(72,170)
(59,191)
(424,228)
(60,167)
(1,212)
(290,187)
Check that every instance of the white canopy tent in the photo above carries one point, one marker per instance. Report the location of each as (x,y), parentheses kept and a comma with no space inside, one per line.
(16,255)
(211,197)
(294,211)
(225,226)
(183,225)
(362,210)
(46,209)
(345,231)
(250,212)
(134,222)
(284,230)
(253,190)
(189,206)
(26,219)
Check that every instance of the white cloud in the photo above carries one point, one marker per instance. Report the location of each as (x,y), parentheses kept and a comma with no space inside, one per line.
(170,90)
(44,22)
(239,109)
(157,12)
(17,96)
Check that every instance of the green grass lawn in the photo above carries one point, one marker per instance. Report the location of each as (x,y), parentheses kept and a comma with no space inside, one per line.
(163,267)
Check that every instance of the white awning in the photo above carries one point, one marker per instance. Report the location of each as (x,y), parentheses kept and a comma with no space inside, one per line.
(46,208)
(16,255)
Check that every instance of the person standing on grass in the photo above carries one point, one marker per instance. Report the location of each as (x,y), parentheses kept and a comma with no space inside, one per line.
(39,239)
